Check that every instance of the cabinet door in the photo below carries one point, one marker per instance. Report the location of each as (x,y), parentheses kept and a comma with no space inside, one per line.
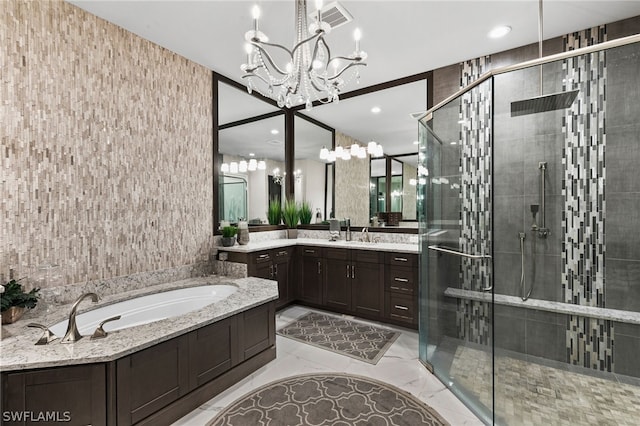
(368,289)
(74,395)
(256,330)
(282,273)
(310,283)
(151,379)
(338,284)
(213,350)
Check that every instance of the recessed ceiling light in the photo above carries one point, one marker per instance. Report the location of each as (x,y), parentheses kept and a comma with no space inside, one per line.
(416,142)
(453,143)
(499,31)
(251,154)
(274,132)
(375,110)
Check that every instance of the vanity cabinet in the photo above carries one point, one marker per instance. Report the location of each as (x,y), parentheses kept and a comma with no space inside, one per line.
(401,288)
(274,265)
(311,274)
(74,395)
(354,282)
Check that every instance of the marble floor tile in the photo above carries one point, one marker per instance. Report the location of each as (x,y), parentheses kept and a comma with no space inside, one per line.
(399,366)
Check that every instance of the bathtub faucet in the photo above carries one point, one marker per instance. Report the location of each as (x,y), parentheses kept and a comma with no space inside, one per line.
(72,334)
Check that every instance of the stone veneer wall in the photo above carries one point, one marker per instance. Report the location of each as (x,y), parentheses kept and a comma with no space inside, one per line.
(106,149)
(353,193)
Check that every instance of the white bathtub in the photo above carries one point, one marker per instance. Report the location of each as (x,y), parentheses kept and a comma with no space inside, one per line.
(146,309)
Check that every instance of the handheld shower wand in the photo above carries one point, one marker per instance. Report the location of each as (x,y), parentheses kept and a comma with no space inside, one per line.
(534,213)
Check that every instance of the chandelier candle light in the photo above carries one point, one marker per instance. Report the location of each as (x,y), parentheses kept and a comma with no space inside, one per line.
(311,73)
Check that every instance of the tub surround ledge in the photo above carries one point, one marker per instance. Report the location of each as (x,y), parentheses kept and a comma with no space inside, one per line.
(19,351)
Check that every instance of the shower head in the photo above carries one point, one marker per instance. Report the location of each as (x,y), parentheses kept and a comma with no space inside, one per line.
(534,209)
(544,103)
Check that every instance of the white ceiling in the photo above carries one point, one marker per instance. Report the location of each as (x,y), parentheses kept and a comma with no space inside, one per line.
(401,37)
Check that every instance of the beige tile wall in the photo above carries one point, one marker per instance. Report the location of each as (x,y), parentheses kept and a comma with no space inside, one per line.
(352,185)
(106,149)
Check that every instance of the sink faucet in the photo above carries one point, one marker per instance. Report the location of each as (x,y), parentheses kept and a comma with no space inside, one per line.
(72,334)
(365,235)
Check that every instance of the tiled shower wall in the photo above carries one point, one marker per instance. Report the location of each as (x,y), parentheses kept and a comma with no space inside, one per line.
(523,142)
(106,149)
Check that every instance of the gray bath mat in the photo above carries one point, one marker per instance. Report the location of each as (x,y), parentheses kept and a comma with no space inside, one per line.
(360,341)
(328,399)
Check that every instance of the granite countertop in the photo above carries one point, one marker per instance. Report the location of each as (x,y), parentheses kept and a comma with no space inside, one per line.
(359,245)
(19,352)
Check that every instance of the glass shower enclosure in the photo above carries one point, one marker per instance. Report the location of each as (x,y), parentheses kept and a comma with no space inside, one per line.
(530,261)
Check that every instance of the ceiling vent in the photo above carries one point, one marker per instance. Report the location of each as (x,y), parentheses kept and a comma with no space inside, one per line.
(333,14)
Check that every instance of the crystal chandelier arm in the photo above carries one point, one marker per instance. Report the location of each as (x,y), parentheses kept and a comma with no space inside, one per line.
(354,62)
(307,40)
(315,51)
(252,75)
(264,53)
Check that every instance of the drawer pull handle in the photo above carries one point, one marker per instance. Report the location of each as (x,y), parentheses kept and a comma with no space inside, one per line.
(263,256)
(282,253)
(348,271)
(319,268)
(402,308)
(393,287)
(400,259)
(401,280)
(309,251)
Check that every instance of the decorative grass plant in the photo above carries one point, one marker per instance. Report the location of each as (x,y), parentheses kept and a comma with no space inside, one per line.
(305,213)
(274,213)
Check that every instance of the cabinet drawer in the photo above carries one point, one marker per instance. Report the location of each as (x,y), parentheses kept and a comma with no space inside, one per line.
(402,259)
(402,307)
(337,254)
(402,280)
(261,257)
(311,251)
(281,254)
(369,256)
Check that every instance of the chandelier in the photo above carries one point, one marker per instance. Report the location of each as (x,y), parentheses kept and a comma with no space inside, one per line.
(309,72)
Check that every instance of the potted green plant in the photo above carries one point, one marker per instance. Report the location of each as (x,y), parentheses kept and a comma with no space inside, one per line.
(228,236)
(305,213)
(274,213)
(14,301)
(290,218)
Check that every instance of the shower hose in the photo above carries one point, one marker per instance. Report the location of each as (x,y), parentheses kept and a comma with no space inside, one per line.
(524,294)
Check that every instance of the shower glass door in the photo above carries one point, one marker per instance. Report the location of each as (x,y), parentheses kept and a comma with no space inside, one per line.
(456,297)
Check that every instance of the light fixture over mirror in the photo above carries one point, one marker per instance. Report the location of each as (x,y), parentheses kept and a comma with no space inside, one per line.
(308,72)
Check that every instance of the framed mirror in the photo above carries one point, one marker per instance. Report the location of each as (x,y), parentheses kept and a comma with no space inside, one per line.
(313,175)
(250,155)
(383,116)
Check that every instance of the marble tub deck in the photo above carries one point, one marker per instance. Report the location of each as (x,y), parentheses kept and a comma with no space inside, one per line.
(399,366)
(19,352)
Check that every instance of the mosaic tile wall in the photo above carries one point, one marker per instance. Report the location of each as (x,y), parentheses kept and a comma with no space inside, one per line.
(473,317)
(106,149)
(351,197)
(589,341)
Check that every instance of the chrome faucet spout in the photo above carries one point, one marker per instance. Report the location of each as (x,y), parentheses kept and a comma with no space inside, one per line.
(72,334)
(365,235)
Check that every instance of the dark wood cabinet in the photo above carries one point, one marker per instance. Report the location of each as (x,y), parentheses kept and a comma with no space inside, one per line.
(311,275)
(401,288)
(153,386)
(354,282)
(75,395)
(274,265)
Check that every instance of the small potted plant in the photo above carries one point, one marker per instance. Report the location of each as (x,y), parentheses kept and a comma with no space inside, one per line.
(228,236)
(274,213)
(290,218)
(14,301)
(305,213)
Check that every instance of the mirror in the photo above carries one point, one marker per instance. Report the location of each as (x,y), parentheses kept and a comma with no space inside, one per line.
(314,177)
(250,155)
(383,116)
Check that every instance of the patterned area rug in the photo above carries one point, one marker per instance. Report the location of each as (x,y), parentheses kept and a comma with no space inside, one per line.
(328,399)
(360,341)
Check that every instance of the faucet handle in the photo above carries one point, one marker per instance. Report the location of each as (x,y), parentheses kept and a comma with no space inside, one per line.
(100,333)
(47,337)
